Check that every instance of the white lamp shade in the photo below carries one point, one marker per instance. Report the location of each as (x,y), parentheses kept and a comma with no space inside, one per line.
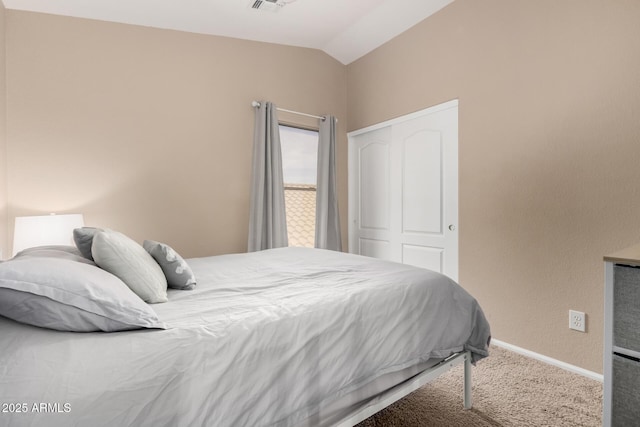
(44,230)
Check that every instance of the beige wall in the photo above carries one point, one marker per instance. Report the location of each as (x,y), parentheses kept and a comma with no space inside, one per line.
(549,163)
(150,131)
(4,248)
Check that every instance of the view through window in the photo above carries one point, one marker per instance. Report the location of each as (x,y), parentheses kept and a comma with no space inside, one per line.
(299,166)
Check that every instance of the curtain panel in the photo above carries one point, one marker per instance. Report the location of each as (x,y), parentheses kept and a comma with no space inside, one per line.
(268,221)
(327,217)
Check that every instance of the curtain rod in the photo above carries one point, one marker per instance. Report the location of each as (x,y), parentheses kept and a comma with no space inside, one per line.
(257,104)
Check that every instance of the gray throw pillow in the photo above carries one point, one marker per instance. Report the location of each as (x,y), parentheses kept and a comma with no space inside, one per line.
(123,257)
(69,295)
(174,267)
(83,237)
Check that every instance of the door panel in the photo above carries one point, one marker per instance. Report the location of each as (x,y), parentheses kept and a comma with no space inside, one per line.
(423,256)
(374,248)
(374,185)
(422,183)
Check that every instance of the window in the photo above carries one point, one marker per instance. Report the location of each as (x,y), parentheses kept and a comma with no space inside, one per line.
(299,166)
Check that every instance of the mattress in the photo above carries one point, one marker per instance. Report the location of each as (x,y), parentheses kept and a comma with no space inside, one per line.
(271,338)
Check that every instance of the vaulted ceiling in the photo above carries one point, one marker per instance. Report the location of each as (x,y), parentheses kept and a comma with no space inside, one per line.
(344,29)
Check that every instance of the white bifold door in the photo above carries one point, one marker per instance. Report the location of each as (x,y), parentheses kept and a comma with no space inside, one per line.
(403,189)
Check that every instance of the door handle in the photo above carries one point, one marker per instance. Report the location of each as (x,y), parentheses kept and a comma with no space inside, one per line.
(452,227)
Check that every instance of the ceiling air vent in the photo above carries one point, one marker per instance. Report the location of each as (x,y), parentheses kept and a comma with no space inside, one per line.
(268,5)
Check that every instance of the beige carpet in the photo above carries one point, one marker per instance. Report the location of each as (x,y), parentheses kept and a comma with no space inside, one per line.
(508,390)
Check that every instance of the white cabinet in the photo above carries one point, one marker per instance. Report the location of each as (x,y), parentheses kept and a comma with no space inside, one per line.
(622,339)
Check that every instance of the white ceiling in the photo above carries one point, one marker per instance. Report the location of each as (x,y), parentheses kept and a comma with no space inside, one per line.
(344,29)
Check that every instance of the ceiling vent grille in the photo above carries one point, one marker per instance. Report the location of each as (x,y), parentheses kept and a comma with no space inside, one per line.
(268,5)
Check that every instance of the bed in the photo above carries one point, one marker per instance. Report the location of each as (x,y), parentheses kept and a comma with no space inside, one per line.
(282,337)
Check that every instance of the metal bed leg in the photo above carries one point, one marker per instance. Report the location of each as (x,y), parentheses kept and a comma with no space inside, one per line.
(467,399)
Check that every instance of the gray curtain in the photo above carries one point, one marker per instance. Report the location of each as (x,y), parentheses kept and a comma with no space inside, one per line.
(327,219)
(268,221)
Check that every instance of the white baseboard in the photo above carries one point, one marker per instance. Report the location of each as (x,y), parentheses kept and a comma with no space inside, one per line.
(549,360)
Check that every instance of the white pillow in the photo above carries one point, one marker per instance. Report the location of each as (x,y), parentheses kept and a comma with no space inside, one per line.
(126,259)
(50,288)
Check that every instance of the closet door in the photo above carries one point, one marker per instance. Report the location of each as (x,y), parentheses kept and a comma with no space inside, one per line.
(403,190)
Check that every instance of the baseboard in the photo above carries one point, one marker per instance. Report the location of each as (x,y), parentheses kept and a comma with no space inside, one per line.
(549,360)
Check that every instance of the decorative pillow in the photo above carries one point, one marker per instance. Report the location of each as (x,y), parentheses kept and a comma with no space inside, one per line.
(84,239)
(175,268)
(67,295)
(123,257)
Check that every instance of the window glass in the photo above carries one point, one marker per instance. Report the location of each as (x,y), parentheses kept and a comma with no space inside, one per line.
(299,166)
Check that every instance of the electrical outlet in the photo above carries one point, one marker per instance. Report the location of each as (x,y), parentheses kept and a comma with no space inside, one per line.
(577,320)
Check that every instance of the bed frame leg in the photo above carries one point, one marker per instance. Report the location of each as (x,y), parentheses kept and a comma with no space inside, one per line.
(467,399)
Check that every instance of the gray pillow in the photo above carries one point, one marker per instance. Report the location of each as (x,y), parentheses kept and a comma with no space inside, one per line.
(174,267)
(123,257)
(83,237)
(68,295)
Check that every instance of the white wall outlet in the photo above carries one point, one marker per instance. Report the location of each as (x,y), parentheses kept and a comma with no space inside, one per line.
(577,320)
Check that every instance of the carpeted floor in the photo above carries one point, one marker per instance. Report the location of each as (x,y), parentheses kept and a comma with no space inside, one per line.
(508,390)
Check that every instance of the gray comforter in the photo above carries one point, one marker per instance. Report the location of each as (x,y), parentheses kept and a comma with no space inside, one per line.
(265,339)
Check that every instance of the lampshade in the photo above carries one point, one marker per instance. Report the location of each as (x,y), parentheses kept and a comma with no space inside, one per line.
(43,230)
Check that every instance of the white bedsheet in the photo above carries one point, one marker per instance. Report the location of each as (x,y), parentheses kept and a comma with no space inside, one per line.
(264,340)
